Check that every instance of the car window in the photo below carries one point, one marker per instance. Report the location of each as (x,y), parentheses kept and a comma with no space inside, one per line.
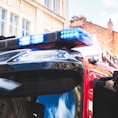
(6,56)
(40,55)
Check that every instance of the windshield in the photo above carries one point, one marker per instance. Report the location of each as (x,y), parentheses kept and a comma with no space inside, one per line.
(5,56)
(65,105)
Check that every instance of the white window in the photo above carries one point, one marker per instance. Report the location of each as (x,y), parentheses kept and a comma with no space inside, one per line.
(56,5)
(25,27)
(2,21)
(13,27)
(47,3)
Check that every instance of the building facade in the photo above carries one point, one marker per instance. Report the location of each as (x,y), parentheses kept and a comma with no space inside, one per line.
(106,37)
(24,17)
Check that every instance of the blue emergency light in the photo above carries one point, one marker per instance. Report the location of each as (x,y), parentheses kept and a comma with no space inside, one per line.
(24,41)
(70,34)
(76,34)
(30,40)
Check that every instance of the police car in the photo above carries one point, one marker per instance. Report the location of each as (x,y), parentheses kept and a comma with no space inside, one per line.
(41,76)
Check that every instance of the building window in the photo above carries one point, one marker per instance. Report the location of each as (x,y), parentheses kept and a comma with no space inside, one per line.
(25,27)
(2,21)
(13,28)
(55,5)
(47,3)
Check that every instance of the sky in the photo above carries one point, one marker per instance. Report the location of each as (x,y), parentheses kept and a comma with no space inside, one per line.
(96,11)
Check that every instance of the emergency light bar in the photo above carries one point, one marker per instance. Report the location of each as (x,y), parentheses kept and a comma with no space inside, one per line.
(31,40)
(77,35)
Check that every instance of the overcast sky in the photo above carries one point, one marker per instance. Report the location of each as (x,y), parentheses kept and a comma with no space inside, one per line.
(96,11)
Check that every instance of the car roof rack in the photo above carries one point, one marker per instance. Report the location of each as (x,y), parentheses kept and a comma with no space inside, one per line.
(66,38)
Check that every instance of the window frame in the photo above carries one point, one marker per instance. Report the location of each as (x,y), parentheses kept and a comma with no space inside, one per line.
(13,24)
(47,3)
(56,5)
(2,21)
(25,27)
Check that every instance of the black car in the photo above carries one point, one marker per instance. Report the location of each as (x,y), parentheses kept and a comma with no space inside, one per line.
(41,76)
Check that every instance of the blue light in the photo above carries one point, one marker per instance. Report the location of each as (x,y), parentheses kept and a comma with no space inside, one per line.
(76,34)
(36,39)
(24,41)
(30,40)
(69,34)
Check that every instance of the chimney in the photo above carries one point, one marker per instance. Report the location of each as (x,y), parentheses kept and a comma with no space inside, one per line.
(110,25)
(110,32)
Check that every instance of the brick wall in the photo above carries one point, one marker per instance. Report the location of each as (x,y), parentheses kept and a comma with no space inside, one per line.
(105,38)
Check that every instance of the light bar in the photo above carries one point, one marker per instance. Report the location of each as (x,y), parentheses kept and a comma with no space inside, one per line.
(24,41)
(36,39)
(71,34)
(8,84)
(76,34)
(30,40)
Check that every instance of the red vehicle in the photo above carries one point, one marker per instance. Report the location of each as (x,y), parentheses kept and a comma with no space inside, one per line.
(41,76)
(100,94)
